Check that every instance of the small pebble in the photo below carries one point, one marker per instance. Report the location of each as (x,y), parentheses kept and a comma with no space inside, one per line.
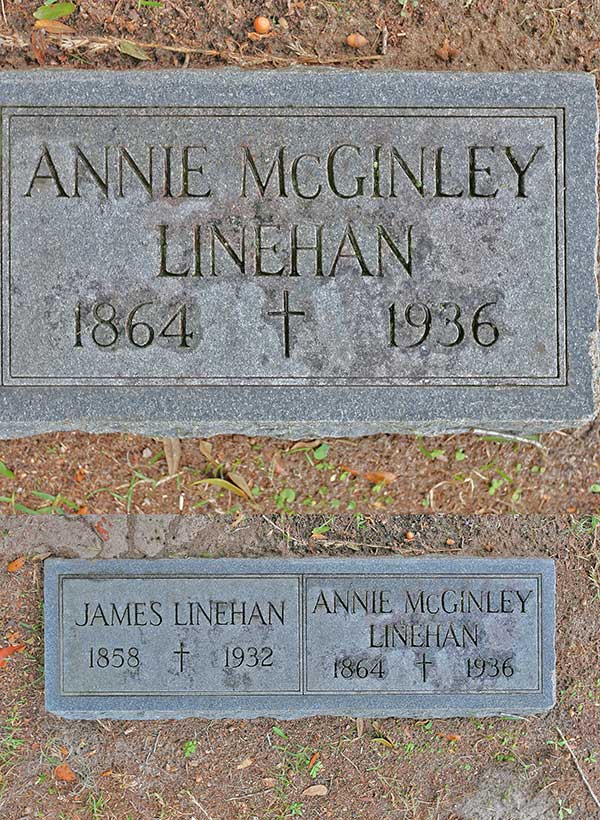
(262,25)
(356,40)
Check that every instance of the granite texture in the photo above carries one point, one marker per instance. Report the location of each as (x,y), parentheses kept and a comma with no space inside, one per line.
(427,637)
(158,275)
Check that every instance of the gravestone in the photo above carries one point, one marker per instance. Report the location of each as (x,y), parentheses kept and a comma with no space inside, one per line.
(297,253)
(290,638)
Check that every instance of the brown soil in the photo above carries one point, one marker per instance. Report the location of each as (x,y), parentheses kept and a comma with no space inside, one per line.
(459,769)
(418,34)
(65,472)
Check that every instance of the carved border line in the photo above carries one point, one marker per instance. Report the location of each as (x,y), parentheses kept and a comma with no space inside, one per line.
(294,381)
(302,643)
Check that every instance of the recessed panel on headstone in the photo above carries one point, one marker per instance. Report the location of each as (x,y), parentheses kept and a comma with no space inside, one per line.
(230,637)
(297,253)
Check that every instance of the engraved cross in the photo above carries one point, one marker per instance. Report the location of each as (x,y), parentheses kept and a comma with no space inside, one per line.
(286,313)
(181,652)
(424,663)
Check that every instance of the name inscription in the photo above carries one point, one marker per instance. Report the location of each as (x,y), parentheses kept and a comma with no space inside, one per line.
(272,234)
(228,633)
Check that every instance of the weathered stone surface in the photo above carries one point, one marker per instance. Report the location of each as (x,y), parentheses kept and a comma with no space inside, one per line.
(75,536)
(157,228)
(235,637)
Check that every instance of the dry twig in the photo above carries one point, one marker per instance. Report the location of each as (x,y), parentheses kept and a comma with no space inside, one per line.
(14,39)
(510,437)
(578,767)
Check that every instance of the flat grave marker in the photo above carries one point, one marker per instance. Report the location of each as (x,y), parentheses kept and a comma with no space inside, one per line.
(291,638)
(297,253)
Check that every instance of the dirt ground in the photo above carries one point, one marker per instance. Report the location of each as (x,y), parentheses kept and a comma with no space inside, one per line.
(386,769)
(71,472)
(491,769)
(411,34)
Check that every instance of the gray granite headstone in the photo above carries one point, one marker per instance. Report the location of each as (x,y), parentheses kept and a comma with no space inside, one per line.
(297,253)
(238,637)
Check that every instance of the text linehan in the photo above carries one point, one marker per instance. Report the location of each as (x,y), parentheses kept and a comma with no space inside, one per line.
(346,172)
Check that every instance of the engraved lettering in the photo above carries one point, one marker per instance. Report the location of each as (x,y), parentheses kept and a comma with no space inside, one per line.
(294,176)
(277,170)
(146,178)
(47,161)
(440,173)
(475,169)
(520,169)
(187,170)
(332,172)
(101,181)
(417,183)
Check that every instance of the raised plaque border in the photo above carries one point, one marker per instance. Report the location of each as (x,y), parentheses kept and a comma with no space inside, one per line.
(303,688)
(556,113)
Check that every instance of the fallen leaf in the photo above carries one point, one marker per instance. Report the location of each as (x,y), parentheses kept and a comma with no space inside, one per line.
(80,475)
(278,466)
(54,11)
(246,762)
(446,51)
(7,651)
(16,564)
(240,482)
(453,738)
(83,510)
(5,471)
(225,485)
(206,449)
(133,50)
(384,741)
(65,773)
(38,46)
(360,727)
(380,478)
(304,445)
(172,448)
(54,26)
(374,477)
(318,790)
(102,531)
(313,760)
(41,556)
